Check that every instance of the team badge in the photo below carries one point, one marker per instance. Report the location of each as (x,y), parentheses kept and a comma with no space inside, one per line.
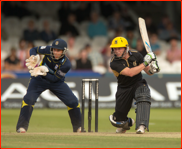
(116,42)
(134,63)
(57,42)
(56,67)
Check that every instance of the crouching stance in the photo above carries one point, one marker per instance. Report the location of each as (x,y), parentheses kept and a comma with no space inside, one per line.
(49,75)
(127,66)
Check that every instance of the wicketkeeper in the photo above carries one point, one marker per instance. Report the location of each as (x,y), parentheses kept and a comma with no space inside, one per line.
(50,74)
(127,66)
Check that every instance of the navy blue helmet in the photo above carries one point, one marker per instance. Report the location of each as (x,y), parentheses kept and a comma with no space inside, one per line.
(59,44)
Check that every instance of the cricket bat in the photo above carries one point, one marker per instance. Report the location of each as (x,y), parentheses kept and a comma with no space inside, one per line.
(144,35)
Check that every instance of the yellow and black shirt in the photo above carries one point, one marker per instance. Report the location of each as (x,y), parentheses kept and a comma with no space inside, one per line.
(118,65)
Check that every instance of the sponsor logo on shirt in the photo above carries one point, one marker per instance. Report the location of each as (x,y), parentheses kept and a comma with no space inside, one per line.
(56,67)
(61,73)
(42,47)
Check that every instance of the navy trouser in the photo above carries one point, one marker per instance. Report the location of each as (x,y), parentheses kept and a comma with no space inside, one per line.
(36,86)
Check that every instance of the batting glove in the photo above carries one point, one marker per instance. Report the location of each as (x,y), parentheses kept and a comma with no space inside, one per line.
(41,70)
(32,61)
(149,58)
(154,67)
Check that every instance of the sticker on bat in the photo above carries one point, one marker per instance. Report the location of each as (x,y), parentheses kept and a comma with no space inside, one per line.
(148,46)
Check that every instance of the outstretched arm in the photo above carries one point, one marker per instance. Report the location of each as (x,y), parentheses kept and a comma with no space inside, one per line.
(32,61)
(132,71)
(154,68)
(146,69)
(136,70)
(34,58)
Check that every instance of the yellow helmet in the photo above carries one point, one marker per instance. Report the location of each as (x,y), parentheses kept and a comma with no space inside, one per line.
(119,42)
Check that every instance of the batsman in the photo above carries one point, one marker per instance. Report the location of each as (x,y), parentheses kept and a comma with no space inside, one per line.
(50,74)
(127,66)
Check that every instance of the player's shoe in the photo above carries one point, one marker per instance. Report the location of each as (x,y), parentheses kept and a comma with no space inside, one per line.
(21,130)
(121,130)
(141,129)
(80,130)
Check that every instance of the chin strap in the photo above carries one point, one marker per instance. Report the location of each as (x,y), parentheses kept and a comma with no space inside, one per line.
(123,53)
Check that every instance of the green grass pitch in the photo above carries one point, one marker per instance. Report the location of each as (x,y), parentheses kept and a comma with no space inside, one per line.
(51,128)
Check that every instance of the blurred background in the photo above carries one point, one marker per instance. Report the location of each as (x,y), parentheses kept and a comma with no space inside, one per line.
(88,28)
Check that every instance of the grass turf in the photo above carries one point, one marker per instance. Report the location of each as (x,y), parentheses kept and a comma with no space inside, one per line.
(51,128)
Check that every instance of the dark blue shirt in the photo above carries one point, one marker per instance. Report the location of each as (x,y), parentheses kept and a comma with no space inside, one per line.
(57,68)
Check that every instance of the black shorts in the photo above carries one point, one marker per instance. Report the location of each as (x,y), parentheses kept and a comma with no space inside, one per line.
(124,99)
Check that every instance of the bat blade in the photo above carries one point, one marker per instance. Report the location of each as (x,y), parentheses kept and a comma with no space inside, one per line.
(144,34)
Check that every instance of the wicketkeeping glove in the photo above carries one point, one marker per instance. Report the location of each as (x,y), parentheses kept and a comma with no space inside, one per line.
(32,61)
(154,67)
(41,70)
(149,58)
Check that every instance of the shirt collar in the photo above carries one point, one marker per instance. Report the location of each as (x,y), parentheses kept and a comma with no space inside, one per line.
(130,53)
